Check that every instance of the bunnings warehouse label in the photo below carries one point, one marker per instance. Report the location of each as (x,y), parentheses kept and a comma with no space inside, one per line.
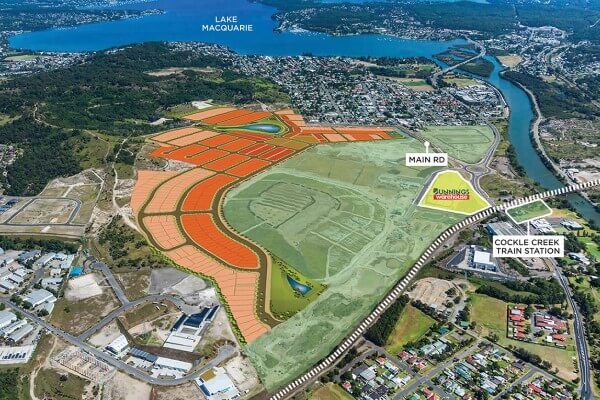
(528,246)
(451,194)
(426,159)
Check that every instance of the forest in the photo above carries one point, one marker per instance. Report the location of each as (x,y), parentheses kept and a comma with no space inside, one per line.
(111,93)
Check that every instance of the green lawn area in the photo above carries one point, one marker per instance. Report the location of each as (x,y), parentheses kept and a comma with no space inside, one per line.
(529,211)
(330,391)
(465,143)
(489,314)
(586,287)
(411,326)
(285,300)
(591,247)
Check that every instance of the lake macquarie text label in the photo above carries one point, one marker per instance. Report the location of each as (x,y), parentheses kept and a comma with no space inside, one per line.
(227,23)
(530,246)
(426,159)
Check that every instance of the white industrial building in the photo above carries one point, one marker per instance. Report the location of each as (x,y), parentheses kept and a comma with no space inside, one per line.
(39,296)
(20,333)
(215,384)
(169,367)
(119,346)
(481,259)
(6,318)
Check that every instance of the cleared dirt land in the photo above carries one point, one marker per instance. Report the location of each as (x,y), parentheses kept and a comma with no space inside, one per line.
(465,143)
(341,215)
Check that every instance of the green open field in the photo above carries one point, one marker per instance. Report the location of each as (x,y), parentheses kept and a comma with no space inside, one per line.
(341,215)
(452,180)
(285,301)
(591,246)
(465,143)
(529,211)
(411,326)
(490,316)
(330,391)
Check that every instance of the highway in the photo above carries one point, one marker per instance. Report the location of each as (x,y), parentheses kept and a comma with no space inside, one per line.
(582,350)
(224,352)
(338,352)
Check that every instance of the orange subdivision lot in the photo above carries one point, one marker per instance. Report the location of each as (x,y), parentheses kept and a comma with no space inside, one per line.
(164,231)
(201,196)
(174,134)
(208,113)
(207,156)
(167,195)
(202,230)
(237,144)
(226,162)
(218,140)
(224,117)
(248,167)
(238,288)
(277,154)
(246,119)
(257,149)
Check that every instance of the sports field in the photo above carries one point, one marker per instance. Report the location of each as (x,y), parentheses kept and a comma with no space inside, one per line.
(530,211)
(450,191)
(341,215)
(465,143)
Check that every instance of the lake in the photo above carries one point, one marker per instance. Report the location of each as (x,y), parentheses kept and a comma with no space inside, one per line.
(183,20)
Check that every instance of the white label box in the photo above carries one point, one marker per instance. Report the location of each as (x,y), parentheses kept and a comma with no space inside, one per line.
(530,246)
(426,159)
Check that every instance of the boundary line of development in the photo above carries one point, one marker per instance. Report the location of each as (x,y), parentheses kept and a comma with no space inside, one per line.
(395,293)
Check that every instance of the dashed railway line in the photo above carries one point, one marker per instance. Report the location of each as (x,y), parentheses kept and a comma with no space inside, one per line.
(395,293)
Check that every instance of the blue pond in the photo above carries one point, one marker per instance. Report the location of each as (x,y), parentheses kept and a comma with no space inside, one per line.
(268,128)
(297,286)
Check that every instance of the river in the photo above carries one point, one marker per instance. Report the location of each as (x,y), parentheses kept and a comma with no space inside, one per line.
(183,19)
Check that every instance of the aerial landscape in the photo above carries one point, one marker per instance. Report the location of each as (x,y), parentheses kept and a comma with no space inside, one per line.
(299,199)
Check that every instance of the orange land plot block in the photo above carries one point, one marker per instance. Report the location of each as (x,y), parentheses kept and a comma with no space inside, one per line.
(202,230)
(147,181)
(167,195)
(164,231)
(226,162)
(237,145)
(246,119)
(218,140)
(256,149)
(208,113)
(184,153)
(193,138)
(224,117)
(334,137)
(174,134)
(209,155)
(276,154)
(248,167)
(201,196)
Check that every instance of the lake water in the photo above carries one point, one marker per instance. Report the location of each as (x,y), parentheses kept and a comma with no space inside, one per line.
(183,19)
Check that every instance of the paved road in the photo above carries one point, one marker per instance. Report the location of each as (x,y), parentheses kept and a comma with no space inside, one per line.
(31,200)
(100,266)
(224,352)
(300,382)
(582,350)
